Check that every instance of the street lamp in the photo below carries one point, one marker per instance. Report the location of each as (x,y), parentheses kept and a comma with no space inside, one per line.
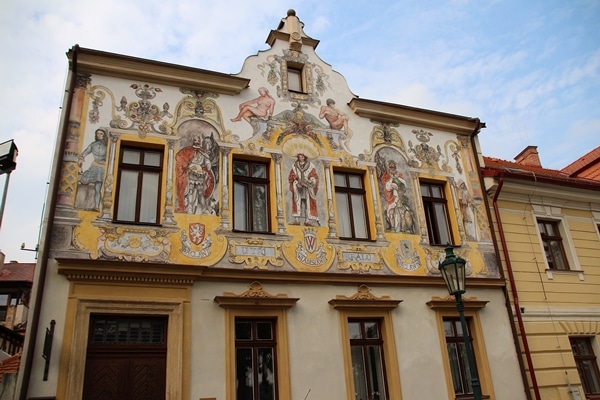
(453,272)
(8,163)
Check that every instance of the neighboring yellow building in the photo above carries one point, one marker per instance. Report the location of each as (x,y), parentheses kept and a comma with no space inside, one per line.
(548,224)
(262,235)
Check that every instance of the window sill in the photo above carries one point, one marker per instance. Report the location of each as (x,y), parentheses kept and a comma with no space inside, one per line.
(114,221)
(346,239)
(551,272)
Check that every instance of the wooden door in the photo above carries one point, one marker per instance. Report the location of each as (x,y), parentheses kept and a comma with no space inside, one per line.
(126,359)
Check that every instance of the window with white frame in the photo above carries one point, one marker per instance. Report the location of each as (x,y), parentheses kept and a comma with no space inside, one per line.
(250,196)
(435,207)
(553,244)
(139,185)
(350,199)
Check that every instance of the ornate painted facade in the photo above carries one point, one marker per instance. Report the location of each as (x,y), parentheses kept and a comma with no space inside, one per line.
(275,180)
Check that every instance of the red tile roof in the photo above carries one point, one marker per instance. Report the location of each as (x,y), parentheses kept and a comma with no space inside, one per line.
(587,166)
(528,172)
(17,272)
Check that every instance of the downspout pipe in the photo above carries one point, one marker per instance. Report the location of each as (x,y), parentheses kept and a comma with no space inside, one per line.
(42,265)
(513,286)
(507,304)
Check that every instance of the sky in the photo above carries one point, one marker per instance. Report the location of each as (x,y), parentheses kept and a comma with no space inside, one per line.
(529,69)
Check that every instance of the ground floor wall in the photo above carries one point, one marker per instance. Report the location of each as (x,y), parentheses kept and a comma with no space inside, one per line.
(313,351)
(549,330)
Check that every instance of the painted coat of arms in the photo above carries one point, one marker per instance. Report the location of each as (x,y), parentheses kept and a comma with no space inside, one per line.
(196,244)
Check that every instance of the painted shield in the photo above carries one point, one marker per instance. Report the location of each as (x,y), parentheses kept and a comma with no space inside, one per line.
(197,232)
(310,240)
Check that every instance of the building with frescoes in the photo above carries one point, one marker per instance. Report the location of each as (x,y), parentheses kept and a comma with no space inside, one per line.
(265,235)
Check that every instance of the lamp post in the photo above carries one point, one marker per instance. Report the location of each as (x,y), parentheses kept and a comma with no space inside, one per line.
(8,163)
(453,272)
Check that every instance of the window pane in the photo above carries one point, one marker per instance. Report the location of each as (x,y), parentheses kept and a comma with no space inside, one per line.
(343,209)
(448,328)
(152,158)
(149,201)
(355,181)
(442,223)
(240,168)
(127,196)
(455,368)
(436,191)
(264,331)
(588,370)
(375,368)
(131,156)
(354,330)
(557,254)
(465,364)
(358,369)
(372,330)
(243,330)
(339,180)
(294,80)
(360,217)
(240,206)
(244,374)
(266,374)
(127,330)
(260,215)
(259,171)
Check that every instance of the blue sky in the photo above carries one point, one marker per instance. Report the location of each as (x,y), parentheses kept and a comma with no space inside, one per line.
(529,69)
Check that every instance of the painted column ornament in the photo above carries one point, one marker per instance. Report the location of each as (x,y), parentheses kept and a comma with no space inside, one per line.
(168,214)
(278,193)
(70,168)
(330,214)
(225,212)
(108,180)
(378,224)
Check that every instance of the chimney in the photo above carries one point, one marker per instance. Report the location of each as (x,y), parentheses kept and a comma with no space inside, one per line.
(529,156)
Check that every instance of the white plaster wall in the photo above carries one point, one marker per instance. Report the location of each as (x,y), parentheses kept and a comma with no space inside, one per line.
(315,349)
(207,367)
(53,308)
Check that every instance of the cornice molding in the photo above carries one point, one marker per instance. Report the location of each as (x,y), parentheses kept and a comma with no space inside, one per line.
(137,279)
(102,63)
(285,37)
(389,112)
(363,298)
(448,303)
(110,269)
(528,191)
(255,296)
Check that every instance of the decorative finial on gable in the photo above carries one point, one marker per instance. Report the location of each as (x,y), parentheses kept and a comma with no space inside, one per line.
(294,29)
